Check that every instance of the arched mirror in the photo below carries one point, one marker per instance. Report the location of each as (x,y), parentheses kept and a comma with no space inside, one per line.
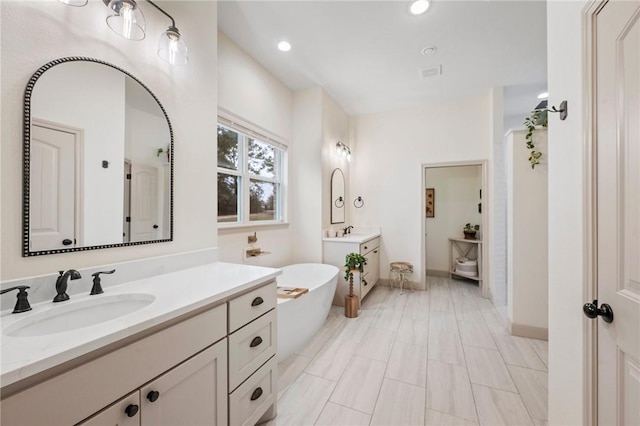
(98,160)
(337,197)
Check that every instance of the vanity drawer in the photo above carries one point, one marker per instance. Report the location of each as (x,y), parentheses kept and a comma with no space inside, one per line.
(250,347)
(369,245)
(250,306)
(251,400)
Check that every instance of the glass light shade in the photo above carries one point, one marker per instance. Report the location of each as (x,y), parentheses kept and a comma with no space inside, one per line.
(172,48)
(76,3)
(128,21)
(419,7)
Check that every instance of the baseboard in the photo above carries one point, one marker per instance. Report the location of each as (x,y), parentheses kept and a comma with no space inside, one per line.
(529,331)
(437,273)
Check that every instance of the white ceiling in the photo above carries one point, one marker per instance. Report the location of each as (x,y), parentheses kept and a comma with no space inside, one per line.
(367,54)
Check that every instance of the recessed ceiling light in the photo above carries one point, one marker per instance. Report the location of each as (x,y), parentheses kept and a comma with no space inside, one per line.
(284,46)
(429,50)
(543,95)
(419,7)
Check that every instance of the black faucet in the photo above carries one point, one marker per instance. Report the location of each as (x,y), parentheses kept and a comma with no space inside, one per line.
(22,304)
(348,229)
(97,288)
(61,284)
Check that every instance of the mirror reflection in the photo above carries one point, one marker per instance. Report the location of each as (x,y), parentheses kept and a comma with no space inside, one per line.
(99,160)
(337,197)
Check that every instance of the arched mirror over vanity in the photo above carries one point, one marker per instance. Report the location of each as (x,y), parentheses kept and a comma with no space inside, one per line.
(337,197)
(98,160)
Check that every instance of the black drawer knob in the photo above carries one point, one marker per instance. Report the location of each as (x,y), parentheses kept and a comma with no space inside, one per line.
(256,394)
(153,396)
(131,410)
(257,301)
(255,342)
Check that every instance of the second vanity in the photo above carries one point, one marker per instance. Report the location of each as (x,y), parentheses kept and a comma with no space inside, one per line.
(364,242)
(200,350)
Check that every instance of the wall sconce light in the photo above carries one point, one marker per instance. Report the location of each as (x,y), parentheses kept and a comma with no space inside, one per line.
(128,22)
(343,150)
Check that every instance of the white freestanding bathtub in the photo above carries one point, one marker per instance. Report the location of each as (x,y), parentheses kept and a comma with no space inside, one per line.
(299,319)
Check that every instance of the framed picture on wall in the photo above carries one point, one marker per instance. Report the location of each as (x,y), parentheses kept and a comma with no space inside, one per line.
(430,204)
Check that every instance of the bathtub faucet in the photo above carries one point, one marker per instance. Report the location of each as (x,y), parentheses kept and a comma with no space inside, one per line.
(348,229)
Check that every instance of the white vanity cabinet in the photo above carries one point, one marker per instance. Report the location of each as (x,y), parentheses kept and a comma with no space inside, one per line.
(334,252)
(178,374)
(193,393)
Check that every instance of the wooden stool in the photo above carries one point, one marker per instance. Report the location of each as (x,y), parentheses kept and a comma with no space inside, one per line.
(401,269)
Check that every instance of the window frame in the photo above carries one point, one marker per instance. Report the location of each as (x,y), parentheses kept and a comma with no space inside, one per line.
(246,177)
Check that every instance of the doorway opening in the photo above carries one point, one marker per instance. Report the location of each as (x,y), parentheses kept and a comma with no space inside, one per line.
(454,195)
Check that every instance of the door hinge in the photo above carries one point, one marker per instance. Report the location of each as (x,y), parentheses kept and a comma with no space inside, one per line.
(128,219)
(128,176)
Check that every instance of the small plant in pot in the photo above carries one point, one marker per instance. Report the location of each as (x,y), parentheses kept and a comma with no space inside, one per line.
(353,262)
(470,231)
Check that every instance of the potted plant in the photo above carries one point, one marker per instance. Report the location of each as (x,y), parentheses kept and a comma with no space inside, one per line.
(353,262)
(470,231)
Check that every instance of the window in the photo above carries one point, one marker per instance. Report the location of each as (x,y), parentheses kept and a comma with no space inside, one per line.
(250,173)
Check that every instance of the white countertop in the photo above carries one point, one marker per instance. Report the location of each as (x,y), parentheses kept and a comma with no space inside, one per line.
(176,293)
(354,238)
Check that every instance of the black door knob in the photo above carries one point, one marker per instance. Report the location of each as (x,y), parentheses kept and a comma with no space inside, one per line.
(153,396)
(155,226)
(591,310)
(131,410)
(67,242)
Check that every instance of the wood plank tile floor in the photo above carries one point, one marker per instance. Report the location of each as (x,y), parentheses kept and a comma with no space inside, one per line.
(437,357)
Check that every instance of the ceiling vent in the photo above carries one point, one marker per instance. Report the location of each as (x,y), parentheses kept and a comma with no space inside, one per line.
(431,71)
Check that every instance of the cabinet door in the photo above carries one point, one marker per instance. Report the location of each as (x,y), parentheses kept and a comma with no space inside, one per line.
(372,268)
(125,412)
(193,393)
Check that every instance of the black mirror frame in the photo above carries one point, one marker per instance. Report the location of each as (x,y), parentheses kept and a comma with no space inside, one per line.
(26,131)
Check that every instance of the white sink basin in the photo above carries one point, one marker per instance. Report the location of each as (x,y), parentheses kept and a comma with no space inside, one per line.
(74,315)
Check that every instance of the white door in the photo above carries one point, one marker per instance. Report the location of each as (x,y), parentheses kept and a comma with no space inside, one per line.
(144,203)
(618,210)
(52,189)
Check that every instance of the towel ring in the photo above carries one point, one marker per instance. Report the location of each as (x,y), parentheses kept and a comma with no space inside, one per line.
(358,202)
(339,203)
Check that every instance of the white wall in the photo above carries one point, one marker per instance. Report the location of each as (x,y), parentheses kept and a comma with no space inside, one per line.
(456,203)
(306,172)
(249,91)
(527,218)
(498,249)
(335,126)
(391,148)
(318,123)
(566,206)
(566,215)
(34,33)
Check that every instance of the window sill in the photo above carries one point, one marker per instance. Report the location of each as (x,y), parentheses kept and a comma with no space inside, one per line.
(230,228)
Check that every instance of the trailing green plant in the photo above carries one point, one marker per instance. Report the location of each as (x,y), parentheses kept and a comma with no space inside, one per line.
(166,150)
(538,117)
(353,261)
